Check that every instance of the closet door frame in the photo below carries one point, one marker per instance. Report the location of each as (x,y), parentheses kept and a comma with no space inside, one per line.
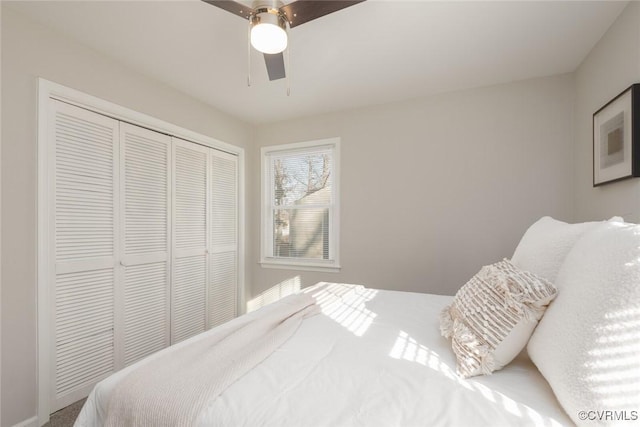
(49,90)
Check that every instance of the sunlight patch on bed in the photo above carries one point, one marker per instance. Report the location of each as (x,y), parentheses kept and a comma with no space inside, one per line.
(346,304)
(513,407)
(407,348)
(532,416)
(285,288)
(613,362)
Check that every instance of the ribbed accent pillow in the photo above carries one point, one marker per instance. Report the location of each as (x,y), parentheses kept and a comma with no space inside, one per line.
(493,315)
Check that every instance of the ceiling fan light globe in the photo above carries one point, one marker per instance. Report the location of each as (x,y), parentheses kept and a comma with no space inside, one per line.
(268,38)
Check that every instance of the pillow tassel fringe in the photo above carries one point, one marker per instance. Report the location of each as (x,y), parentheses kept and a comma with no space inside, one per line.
(446,322)
(487,363)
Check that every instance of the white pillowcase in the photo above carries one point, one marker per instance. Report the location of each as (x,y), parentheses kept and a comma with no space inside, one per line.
(587,345)
(492,317)
(546,243)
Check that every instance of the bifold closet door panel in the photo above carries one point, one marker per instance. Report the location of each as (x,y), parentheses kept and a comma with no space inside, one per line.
(83,249)
(223,253)
(144,294)
(190,176)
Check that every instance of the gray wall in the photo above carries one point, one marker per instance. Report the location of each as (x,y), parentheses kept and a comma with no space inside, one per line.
(611,66)
(434,188)
(29,50)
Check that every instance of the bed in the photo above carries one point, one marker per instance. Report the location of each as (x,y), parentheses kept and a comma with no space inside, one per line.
(374,358)
(369,357)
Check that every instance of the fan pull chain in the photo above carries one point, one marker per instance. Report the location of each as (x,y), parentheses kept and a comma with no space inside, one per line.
(249,55)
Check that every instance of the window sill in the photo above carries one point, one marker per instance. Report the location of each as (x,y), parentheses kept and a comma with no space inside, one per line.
(285,265)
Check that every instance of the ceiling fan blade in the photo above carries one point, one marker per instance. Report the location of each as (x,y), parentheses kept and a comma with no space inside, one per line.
(301,11)
(232,6)
(275,65)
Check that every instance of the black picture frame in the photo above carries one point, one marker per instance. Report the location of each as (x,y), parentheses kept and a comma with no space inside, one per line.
(616,138)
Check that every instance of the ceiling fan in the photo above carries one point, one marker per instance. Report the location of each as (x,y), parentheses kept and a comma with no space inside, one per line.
(268,22)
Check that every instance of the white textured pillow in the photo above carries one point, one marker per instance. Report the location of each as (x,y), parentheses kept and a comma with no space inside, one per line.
(545,245)
(493,315)
(587,345)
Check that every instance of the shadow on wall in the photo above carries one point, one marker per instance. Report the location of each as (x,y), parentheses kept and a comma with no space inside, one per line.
(286,287)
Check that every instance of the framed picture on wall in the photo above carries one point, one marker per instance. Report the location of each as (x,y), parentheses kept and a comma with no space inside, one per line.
(616,138)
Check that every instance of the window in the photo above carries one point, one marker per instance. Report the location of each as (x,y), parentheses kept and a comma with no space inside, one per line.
(300,205)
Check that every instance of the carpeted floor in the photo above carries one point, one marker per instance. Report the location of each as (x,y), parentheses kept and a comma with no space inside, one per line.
(65,417)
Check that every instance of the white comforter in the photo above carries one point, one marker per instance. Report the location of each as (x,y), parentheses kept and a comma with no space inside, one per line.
(375,359)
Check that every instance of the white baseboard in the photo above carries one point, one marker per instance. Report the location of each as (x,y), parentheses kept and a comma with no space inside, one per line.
(31,422)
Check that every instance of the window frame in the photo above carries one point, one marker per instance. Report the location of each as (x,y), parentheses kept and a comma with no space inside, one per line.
(267,259)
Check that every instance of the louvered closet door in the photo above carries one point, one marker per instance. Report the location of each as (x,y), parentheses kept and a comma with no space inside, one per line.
(144,293)
(223,253)
(190,217)
(84,180)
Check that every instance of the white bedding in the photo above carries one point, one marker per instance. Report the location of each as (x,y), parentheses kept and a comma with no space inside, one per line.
(375,360)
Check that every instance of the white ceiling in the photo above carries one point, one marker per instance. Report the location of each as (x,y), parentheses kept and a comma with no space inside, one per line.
(371,53)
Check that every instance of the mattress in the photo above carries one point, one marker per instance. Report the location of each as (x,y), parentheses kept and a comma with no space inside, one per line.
(376,359)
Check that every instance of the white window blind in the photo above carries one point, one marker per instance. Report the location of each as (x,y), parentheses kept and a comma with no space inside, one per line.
(300,205)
